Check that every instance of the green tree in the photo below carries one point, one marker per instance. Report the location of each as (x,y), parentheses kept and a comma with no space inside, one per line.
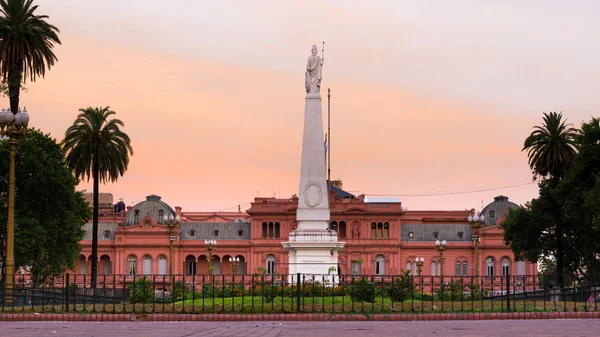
(551,149)
(26,43)
(49,213)
(96,147)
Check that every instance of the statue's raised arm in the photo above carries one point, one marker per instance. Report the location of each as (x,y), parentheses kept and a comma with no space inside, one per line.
(314,74)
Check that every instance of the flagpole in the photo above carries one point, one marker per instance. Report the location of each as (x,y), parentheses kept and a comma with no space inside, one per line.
(329,136)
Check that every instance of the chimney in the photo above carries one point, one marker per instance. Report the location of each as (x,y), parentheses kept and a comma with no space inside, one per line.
(337,184)
(178,210)
(239,208)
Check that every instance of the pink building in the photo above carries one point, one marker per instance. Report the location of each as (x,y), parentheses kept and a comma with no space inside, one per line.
(382,238)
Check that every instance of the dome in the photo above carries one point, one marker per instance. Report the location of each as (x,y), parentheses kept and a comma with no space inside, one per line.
(152,207)
(497,209)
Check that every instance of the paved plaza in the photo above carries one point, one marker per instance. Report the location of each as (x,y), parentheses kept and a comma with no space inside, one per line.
(512,328)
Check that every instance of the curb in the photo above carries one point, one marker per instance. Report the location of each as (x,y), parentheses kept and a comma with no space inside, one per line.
(73,317)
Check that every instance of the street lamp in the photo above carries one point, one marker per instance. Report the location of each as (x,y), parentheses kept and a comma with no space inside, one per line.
(210,247)
(441,247)
(419,261)
(12,126)
(171,222)
(476,222)
(235,262)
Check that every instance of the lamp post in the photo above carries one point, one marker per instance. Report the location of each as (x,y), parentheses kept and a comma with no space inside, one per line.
(476,222)
(171,222)
(419,261)
(12,126)
(210,247)
(441,247)
(234,262)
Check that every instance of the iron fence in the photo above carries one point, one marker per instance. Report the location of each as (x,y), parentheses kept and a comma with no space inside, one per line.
(299,293)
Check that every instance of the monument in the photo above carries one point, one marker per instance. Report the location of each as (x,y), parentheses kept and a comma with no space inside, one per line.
(313,247)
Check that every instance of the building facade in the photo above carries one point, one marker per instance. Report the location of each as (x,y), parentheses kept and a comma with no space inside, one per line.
(382,238)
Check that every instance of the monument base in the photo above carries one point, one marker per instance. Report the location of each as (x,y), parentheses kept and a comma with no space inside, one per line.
(313,251)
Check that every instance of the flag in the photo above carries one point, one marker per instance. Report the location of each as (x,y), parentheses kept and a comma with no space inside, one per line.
(325,144)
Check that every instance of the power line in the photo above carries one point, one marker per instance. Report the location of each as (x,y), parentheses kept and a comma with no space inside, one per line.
(449,193)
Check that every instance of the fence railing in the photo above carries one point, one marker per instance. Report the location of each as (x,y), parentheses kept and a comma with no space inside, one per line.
(299,293)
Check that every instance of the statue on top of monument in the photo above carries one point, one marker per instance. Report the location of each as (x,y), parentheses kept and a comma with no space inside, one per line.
(314,73)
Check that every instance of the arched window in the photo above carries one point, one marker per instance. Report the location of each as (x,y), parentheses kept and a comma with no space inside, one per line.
(190,264)
(162,265)
(136,216)
(521,268)
(82,265)
(333,225)
(458,268)
(434,268)
(271,264)
(106,267)
(379,265)
(342,230)
(409,267)
(277,230)
(505,266)
(147,259)
(373,230)
(132,265)
(465,268)
(379,230)
(161,216)
(386,230)
(489,262)
(264,230)
(271,230)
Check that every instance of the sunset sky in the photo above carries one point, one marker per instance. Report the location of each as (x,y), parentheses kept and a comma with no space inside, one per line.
(428,97)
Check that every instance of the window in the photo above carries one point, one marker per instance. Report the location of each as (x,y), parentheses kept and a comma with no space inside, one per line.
(161,216)
(521,268)
(460,235)
(380,230)
(489,262)
(373,230)
(162,265)
(434,268)
(132,265)
(342,230)
(192,232)
(465,268)
(277,229)
(271,230)
(147,265)
(82,265)
(492,214)
(106,267)
(380,265)
(271,264)
(409,267)
(264,230)
(411,236)
(436,235)
(190,264)
(240,232)
(216,232)
(355,268)
(458,268)
(107,234)
(333,226)
(386,230)
(136,216)
(505,266)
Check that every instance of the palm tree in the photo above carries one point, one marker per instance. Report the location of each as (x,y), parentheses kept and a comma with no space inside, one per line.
(551,149)
(26,42)
(95,146)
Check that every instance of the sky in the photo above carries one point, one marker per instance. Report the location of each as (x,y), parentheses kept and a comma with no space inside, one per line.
(429,99)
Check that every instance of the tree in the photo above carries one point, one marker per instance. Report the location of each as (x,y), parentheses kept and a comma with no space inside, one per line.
(573,203)
(551,149)
(49,213)
(26,43)
(96,147)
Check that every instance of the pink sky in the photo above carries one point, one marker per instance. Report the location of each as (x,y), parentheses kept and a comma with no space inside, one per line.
(425,98)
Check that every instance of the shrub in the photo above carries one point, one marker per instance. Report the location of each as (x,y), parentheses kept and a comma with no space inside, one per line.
(402,287)
(363,290)
(141,291)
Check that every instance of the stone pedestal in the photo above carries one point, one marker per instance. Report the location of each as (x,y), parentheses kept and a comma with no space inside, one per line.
(313,248)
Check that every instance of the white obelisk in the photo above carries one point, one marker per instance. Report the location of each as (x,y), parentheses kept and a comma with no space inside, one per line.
(313,248)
